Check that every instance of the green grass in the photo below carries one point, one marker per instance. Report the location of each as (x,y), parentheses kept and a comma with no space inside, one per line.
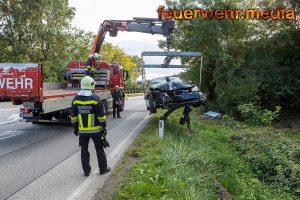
(292,134)
(187,166)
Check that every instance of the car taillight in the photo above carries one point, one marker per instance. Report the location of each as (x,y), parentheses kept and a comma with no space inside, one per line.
(25,110)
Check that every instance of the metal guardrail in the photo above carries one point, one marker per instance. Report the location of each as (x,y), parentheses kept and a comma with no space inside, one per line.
(134,90)
(168,66)
(170,53)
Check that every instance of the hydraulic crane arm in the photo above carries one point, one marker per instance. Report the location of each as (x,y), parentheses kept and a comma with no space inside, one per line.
(142,25)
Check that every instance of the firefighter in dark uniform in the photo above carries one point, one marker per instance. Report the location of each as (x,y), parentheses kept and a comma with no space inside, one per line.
(118,100)
(89,121)
(91,65)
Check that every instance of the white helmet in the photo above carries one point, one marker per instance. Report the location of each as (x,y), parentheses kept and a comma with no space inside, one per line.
(87,83)
(96,56)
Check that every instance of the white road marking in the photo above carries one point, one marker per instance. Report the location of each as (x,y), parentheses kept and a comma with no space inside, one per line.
(11,119)
(8,134)
(9,109)
(89,181)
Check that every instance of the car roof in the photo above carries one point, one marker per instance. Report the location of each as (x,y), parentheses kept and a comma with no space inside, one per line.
(167,79)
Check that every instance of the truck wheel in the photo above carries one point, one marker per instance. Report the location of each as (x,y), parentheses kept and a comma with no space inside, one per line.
(47,116)
(105,106)
(57,115)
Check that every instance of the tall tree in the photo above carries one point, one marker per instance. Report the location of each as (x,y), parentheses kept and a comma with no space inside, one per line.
(40,31)
(111,54)
(245,60)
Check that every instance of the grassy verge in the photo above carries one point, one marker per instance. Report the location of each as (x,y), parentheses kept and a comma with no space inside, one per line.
(210,163)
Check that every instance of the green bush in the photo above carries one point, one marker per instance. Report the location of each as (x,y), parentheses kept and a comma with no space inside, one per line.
(254,115)
(274,158)
(131,84)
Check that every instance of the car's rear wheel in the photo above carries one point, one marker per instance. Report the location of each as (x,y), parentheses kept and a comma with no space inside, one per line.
(152,106)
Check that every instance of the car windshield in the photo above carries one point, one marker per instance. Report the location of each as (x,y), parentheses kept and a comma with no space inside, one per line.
(158,81)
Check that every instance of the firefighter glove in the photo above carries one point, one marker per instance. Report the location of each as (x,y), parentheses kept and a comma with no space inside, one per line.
(104,141)
(76,132)
(104,131)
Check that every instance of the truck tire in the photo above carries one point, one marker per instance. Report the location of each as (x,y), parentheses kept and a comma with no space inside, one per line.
(57,115)
(47,116)
(105,106)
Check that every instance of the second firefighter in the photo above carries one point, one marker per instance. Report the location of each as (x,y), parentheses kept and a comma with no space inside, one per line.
(118,101)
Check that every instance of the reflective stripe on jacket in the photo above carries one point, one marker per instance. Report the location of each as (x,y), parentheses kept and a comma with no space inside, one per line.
(88,114)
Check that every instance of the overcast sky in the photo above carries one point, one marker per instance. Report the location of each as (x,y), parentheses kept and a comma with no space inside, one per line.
(90,13)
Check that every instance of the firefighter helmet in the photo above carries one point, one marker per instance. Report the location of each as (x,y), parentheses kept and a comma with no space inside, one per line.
(87,83)
(117,88)
(96,56)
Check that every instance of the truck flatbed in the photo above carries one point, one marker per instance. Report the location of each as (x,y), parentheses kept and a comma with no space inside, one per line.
(61,99)
(48,94)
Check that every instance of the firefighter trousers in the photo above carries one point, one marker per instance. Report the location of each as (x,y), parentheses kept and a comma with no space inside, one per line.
(116,109)
(85,155)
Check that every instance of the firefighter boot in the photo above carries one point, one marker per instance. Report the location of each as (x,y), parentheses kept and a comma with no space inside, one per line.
(105,171)
(88,172)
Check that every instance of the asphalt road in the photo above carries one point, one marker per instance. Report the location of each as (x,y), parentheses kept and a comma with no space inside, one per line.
(43,161)
(8,113)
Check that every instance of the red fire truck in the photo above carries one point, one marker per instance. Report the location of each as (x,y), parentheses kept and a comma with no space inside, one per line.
(23,83)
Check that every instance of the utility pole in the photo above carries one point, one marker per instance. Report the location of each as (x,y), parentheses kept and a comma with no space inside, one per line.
(143,71)
(200,73)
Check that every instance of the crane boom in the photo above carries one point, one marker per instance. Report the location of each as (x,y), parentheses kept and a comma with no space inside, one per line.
(142,25)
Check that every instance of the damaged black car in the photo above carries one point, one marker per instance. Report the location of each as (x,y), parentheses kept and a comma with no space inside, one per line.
(167,92)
